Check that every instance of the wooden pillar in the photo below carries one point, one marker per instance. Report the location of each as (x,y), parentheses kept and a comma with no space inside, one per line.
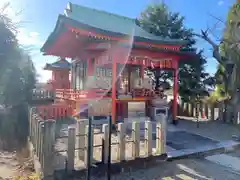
(90,67)
(77,74)
(141,72)
(129,68)
(175,94)
(114,80)
(73,74)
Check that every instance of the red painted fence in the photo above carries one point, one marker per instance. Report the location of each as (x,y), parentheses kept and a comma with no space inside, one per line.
(55,111)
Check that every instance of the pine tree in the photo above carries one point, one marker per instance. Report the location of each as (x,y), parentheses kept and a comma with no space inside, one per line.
(158,20)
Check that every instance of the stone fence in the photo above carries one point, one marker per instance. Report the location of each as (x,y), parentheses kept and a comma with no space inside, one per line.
(207,111)
(43,137)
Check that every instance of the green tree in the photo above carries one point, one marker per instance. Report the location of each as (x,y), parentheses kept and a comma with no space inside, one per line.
(17,79)
(158,20)
(227,55)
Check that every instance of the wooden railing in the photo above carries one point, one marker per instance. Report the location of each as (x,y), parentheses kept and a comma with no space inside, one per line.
(99,93)
(39,94)
(80,94)
(54,111)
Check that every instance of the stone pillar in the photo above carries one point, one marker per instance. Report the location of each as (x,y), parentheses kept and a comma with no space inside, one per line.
(203,111)
(148,138)
(161,134)
(121,141)
(105,130)
(136,139)
(86,145)
(81,138)
(48,148)
(212,113)
(238,118)
(30,118)
(41,140)
(194,110)
(39,135)
(206,111)
(220,112)
(187,109)
(71,148)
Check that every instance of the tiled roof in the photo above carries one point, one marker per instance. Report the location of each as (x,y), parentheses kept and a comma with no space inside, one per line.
(104,23)
(59,64)
(110,22)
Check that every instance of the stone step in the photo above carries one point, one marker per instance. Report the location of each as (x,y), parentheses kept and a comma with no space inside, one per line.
(226,161)
(209,150)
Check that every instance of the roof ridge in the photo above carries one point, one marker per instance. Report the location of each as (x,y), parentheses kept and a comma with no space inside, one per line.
(103,11)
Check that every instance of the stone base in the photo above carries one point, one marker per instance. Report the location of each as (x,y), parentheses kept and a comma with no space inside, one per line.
(115,168)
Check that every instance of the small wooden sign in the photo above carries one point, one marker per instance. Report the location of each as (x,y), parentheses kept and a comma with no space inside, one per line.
(100,107)
(167,64)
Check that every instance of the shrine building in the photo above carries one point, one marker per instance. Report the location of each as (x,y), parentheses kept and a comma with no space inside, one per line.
(109,54)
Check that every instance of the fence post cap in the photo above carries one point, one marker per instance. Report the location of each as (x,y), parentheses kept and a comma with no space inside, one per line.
(50,120)
(71,127)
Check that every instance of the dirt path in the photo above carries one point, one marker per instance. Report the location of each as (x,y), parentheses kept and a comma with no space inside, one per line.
(10,166)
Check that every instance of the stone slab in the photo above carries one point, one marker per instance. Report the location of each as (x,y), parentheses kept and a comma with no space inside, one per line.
(208,150)
(225,160)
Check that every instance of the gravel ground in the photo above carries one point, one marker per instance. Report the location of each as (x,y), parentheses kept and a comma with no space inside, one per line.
(10,167)
(188,169)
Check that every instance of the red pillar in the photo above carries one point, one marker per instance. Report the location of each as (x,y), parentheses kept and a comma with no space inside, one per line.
(141,71)
(175,93)
(114,78)
(129,69)
(90,67)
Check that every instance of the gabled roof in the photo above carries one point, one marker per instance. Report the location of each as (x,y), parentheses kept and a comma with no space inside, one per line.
(112,22)
(59,64)
(105,23)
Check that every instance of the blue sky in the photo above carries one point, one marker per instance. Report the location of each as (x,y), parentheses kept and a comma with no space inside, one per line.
(38,17)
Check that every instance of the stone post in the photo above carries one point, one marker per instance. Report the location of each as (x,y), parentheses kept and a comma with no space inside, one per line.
(187,109)
(206,111)
(48,148)
(163,133)
(220,112)
(212,113)
(105,130)
(136,139)
(148,138)
(35,124)
(40,155)
(30,119)
(160,134)
(209,112)
(81,138)
(203,111)
(121,141)
(238,118)
(86,145)
(194,110)
(39,135)
(184,107)
(71,148)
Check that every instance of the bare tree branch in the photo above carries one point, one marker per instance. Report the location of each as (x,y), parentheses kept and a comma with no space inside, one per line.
(215,47)
(219,20)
